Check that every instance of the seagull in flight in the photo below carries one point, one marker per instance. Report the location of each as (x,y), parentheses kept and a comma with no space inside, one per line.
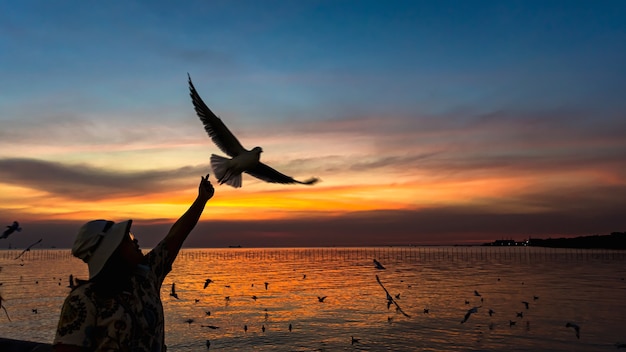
(321,299)
(469,313)
(227,170)
(378,265)
(173,292)
(576,328)
(27,249)
(207,282)
(10,229)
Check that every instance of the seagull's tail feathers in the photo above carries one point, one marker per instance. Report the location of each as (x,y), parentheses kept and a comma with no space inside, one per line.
(223,172)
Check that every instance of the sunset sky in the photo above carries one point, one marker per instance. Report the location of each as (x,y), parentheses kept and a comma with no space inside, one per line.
(428,122)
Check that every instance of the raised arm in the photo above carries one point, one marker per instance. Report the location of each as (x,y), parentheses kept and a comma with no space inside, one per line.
(183,226)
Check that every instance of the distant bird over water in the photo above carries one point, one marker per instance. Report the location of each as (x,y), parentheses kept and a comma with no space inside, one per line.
(27,249)
(576,328)
(469,313)
(10,229)
(173,291)
(227,170)
(378,265)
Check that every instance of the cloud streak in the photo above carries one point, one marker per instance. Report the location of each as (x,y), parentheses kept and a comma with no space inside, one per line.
(84,182)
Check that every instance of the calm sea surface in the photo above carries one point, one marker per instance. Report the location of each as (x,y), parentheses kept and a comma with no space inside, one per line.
(586,287)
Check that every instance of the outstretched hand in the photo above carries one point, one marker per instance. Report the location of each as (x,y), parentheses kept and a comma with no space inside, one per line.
(205,190)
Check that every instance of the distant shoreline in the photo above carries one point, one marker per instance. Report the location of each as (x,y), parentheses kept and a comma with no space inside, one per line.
(616,240)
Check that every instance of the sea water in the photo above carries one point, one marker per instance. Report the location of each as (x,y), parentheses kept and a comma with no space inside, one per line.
(433,286)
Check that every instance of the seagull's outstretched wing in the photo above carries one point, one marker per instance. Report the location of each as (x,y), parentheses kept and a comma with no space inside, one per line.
(214,126)
(267,174)
(28,248)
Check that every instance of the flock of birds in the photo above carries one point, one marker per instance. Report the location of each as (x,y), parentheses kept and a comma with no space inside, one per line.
(190,321)
(391,300)
(474,310)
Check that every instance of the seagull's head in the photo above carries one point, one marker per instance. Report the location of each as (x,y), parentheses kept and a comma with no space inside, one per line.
(257,150)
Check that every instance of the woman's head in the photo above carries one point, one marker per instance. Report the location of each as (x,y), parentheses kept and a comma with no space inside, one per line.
(96,242)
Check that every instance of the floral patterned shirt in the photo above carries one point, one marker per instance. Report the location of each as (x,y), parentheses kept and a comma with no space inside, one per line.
(130,321)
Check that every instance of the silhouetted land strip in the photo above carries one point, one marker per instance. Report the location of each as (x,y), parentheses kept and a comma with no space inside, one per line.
(616,240)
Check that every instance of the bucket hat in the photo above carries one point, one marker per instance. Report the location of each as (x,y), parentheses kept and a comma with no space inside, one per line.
(97,240)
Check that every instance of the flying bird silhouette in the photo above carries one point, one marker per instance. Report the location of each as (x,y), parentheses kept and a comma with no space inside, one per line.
(227,170)
(207,282)
(378,265)
(173,292)
(469,313)
(10,229)
(390,299)
(210,326)
(27,249)
(576,328)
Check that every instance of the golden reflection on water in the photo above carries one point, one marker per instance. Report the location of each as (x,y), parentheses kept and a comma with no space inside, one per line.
(581,287)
